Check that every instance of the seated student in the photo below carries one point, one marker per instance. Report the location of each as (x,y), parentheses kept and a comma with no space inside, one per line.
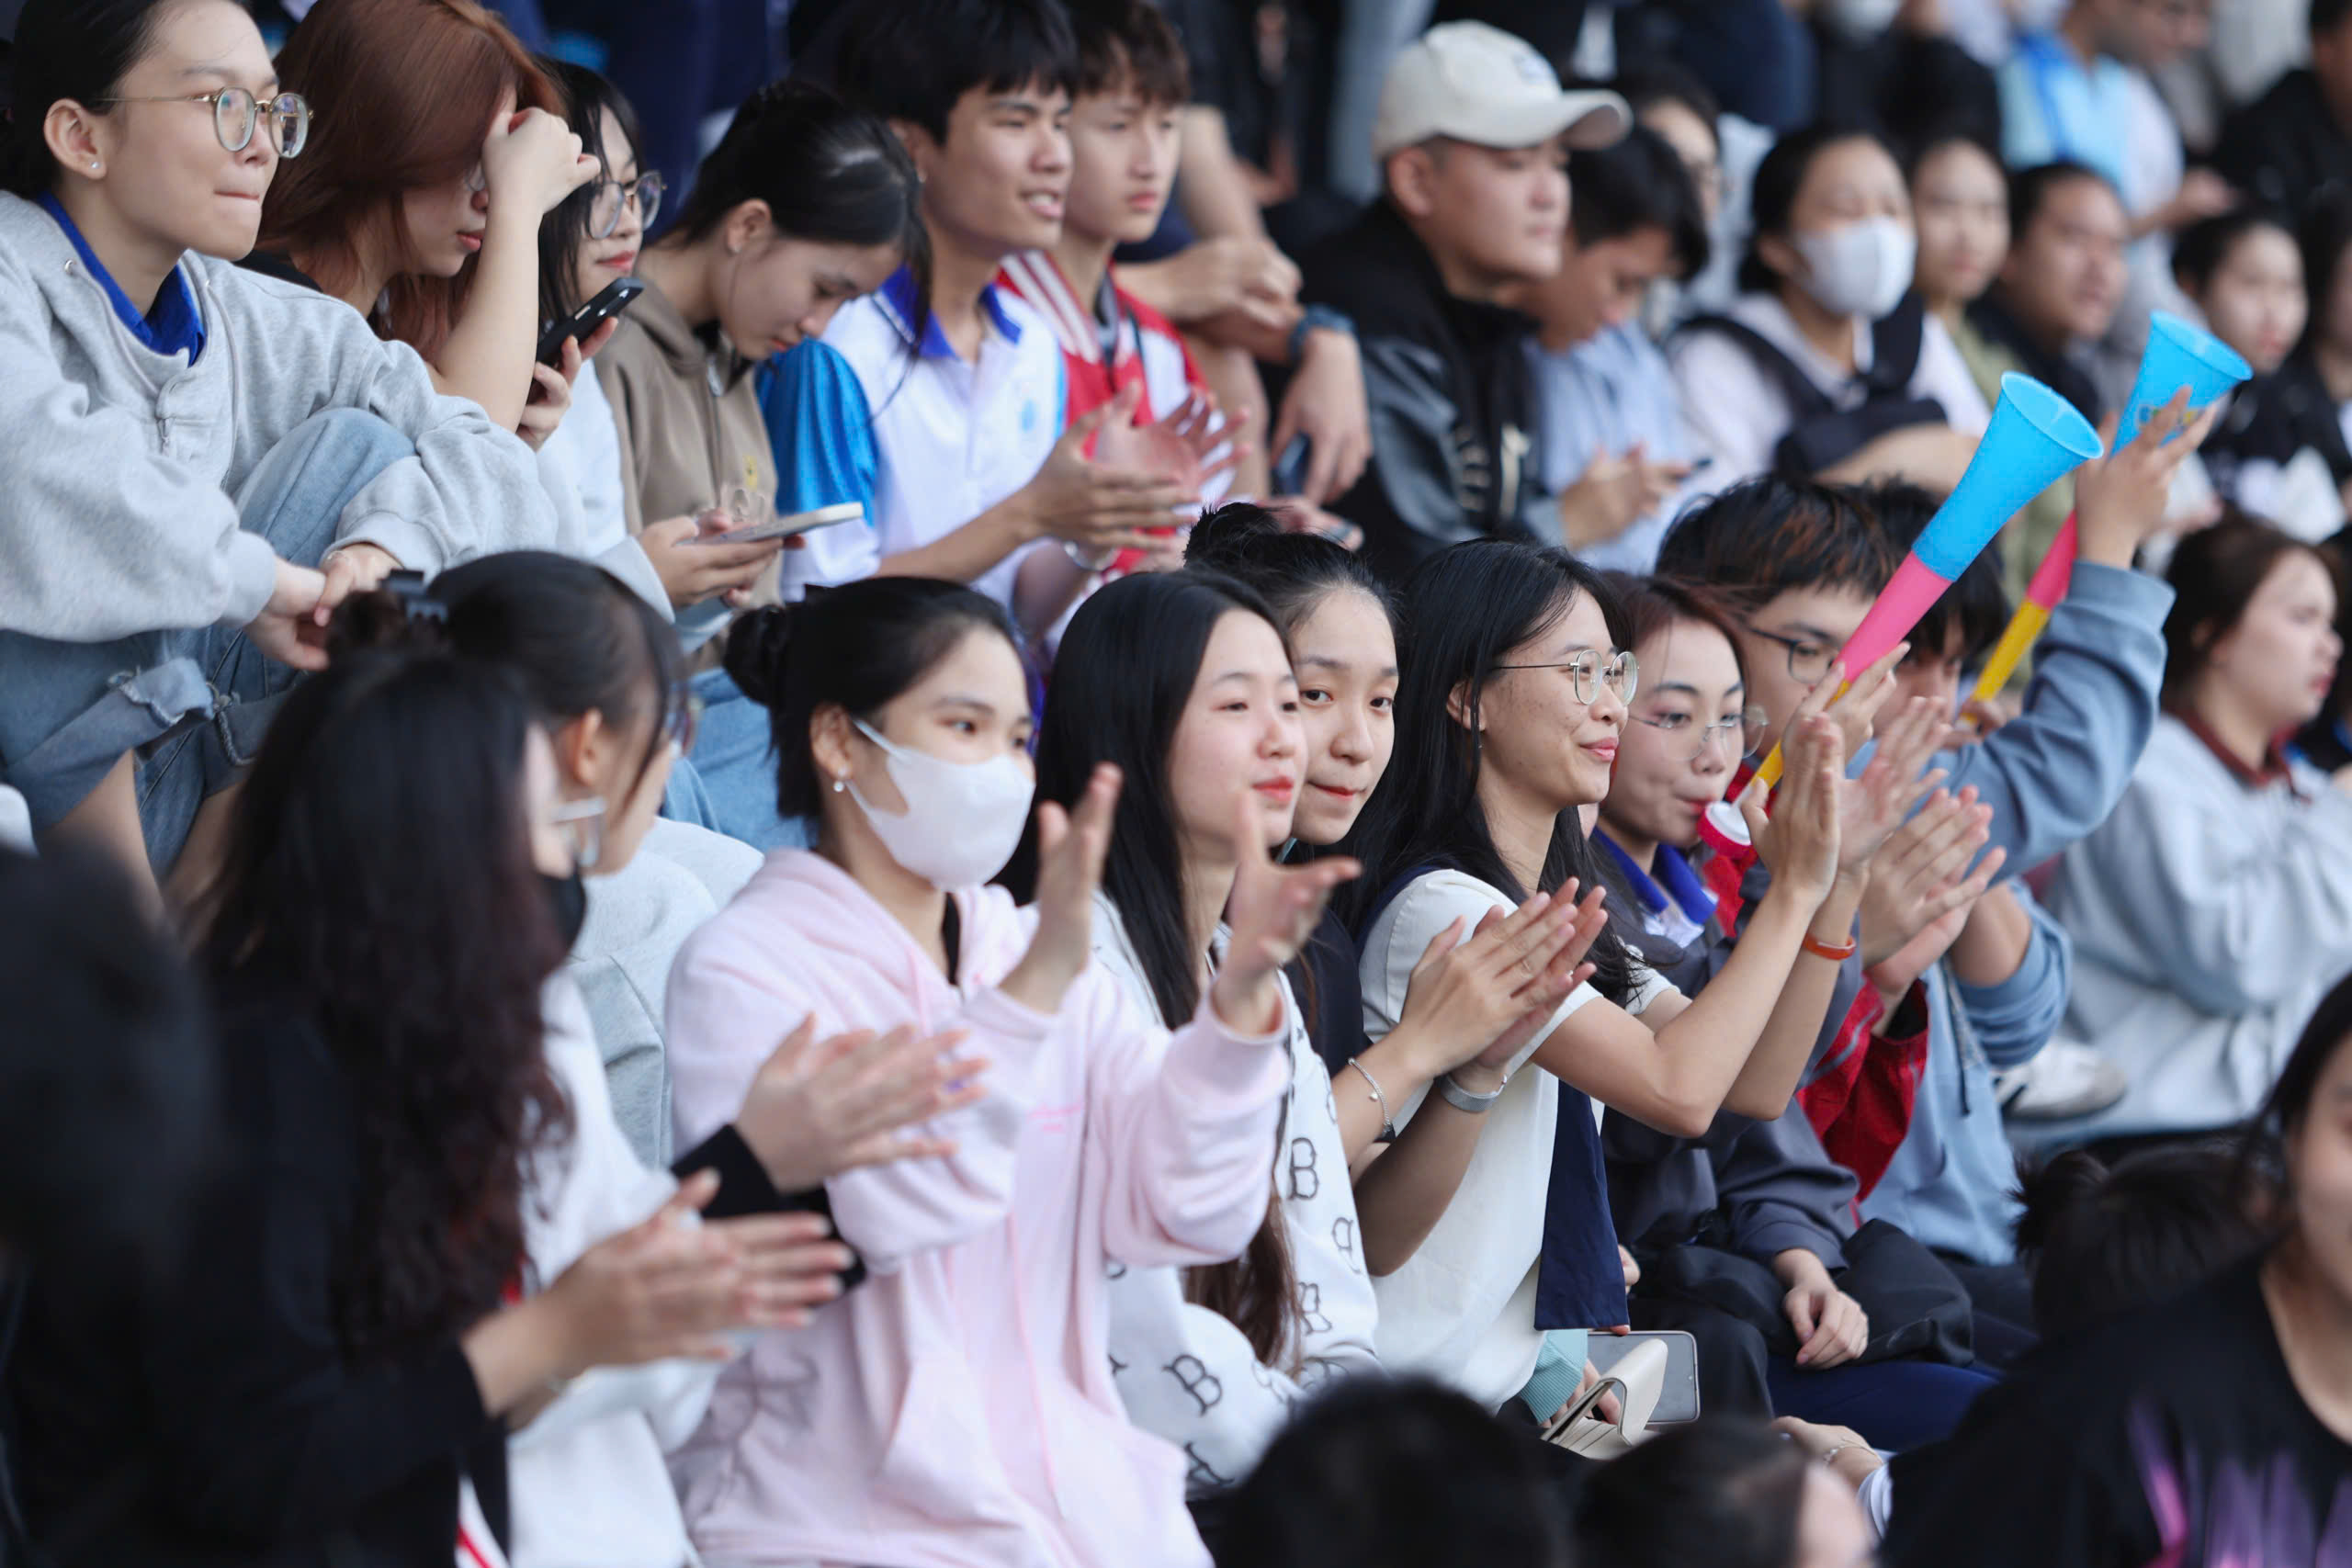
(2205,1430)
(1960,201)
(803,206)
(1729,1492)
(1474,996)
(1808,375)
(1799,566)
(1613,437)
(960,1406)
(2295,141)
(440,145)
(1524,650)
(1474,202)
(332,1372)
(1676,105)
(2061,282)
(225,433)
(1402,1473)
(1124,125)
(2104,1243)
(588,241)
(1756,1201)
(2327,741)
(1181,683)
(2208,909)
(2280,451)
(937,404)
(586,1479)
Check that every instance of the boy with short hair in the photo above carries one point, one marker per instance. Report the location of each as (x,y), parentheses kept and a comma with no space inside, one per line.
(1802,565)
(1472,134)
(941,411)
(1615,452)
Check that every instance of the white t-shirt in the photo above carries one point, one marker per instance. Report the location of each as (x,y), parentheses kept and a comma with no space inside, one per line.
(1187,1374)
(1462,1309)
(1738,413)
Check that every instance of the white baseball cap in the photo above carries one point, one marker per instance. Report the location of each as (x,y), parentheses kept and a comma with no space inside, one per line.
(1479,85)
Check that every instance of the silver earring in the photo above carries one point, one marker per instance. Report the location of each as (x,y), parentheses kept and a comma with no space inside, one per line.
(839,784)
(93,165)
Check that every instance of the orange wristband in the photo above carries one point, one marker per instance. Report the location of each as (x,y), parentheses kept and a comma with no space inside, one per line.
(1835,955)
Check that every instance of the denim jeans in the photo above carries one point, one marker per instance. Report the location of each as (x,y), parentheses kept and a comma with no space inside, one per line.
(193,704)
(729,784)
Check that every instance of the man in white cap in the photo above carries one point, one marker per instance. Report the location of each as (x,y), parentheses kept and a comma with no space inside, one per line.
(1473,137)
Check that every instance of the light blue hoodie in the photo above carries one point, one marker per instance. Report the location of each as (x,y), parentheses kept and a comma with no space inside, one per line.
(2052,776)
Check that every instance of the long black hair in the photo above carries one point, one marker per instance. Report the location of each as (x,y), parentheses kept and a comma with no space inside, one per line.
(563,233)
(379,883)
(66,49)
(1465,609)
(857,648)
(1127,668)
(580,638)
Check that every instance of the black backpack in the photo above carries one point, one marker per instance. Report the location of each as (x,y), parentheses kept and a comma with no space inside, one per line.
(1822,435)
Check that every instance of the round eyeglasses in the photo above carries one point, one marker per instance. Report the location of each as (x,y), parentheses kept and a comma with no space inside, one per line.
(237,114)
(1621,673)
(612,195)
(1746,727)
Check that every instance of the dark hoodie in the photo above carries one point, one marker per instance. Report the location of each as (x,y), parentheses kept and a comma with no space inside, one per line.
(1453,416)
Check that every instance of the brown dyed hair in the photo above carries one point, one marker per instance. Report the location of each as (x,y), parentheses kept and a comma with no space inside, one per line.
(1655,603)
(402,94)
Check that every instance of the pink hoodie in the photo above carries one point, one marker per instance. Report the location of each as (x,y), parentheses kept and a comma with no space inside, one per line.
(957,1410)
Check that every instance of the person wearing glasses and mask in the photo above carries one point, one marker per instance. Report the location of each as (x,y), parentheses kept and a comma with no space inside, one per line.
(201,460)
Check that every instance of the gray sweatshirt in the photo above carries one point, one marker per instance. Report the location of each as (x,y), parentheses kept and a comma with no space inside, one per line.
(119,516)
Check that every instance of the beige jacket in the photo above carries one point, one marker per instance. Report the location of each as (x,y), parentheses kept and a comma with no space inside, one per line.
(687,409)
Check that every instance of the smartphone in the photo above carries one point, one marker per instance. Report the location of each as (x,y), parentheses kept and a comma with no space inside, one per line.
(1679,1403)
(1289,469)
(785,527)
(615,298)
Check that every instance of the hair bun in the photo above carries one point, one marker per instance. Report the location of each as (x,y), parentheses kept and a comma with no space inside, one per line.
(759,644)
(1231,537)
(2053,1190)
(401,616)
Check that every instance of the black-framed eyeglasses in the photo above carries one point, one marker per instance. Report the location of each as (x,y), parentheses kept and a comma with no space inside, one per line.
(1621,673)
(1746,727)
(1809,658)
(237,114)
(612,195)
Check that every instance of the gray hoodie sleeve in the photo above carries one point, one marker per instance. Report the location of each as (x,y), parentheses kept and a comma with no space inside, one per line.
(471,489)
(2054,773)
(102,536)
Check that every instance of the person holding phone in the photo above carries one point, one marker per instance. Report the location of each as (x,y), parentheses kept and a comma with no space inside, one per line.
(440,146)
(805,204)
(200,459)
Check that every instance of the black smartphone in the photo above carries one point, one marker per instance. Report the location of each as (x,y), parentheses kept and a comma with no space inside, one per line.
(615,298)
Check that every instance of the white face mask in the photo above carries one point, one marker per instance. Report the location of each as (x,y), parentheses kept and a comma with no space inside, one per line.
(963,819)
(1861,268)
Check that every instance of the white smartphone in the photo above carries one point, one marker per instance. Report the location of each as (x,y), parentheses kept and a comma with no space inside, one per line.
(785,527)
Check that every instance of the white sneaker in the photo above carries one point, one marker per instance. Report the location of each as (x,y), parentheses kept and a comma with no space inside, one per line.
(2062,1081)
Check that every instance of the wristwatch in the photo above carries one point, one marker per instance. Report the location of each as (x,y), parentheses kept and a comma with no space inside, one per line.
(1316,318)
(1464,1100)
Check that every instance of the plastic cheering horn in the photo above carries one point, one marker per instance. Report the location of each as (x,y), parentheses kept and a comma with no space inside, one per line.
(2036,438)
(2179,355)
